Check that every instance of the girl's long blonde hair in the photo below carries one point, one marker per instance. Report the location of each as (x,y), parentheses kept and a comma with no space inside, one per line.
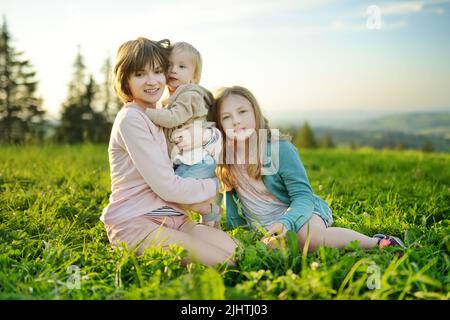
(223,171)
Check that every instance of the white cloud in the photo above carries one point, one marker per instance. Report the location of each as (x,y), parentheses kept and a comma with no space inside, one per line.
(439,11)
(357,20)
(402,8)
(409,7)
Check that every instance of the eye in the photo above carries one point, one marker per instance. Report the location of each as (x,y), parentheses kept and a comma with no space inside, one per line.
(182,66)
(243,111)
(225,117)
(139,74)
(158,71)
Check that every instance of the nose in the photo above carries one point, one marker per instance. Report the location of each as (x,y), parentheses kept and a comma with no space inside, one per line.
(151,79)
(236,121)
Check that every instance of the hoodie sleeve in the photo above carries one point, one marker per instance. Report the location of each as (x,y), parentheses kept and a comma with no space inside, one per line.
(155,167)
(299,190)
(178,111)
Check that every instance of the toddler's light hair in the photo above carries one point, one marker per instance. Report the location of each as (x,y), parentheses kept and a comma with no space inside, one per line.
(196,58)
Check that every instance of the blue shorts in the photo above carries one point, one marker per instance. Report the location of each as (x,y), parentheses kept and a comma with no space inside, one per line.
(202,170)
(326,217)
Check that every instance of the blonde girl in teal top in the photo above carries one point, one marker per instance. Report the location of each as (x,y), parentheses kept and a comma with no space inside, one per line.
(275,192)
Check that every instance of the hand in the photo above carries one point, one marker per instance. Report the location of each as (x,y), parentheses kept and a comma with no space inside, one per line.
(201,207)
(191,136)
(175,151)
(275,235)
(214,224)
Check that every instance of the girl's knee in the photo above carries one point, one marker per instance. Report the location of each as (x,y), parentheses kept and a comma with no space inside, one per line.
(313,244)
(313,237)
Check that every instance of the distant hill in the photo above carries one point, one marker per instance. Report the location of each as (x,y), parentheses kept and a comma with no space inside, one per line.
(382,139)
(437,124)
(402,131)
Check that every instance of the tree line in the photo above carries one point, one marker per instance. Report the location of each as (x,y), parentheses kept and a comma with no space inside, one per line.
(87,112)
(304,137)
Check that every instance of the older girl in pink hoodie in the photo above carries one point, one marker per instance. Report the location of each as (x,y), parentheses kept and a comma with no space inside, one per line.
(148,201)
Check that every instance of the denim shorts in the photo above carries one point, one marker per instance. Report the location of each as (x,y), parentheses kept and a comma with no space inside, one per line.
(327,217)
(202,170)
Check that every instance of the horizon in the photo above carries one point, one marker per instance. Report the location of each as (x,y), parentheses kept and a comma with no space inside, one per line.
(330,122)
(329,57)
(342,117)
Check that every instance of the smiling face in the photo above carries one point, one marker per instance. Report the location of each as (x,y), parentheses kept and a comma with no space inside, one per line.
(181,69)
(147,86)
(237,117)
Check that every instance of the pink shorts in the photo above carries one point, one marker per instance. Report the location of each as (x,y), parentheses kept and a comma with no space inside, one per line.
(136,230)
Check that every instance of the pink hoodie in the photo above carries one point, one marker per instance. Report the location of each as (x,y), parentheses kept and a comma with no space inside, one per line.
(142,177)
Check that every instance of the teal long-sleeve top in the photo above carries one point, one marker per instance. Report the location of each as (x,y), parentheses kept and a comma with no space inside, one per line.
(289,183)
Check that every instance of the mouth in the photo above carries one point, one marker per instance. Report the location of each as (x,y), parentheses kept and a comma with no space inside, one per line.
(172,79)
(151,91)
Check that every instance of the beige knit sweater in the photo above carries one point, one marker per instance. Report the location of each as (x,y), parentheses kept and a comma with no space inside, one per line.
(189,103)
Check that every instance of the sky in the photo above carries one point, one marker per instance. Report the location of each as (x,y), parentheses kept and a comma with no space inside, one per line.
(320,59)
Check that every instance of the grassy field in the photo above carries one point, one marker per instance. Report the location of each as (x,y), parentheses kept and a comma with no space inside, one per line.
(53,246)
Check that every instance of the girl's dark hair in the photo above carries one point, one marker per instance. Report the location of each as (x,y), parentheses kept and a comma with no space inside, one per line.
(134,56)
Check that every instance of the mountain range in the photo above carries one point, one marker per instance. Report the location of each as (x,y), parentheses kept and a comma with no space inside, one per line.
(407,131)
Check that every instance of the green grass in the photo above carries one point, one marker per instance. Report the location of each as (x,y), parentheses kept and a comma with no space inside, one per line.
(51,199)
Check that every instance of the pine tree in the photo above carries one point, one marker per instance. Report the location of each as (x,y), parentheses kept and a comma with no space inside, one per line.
(110,102)
(327,142)
(96,127)
(21,115)
(79,121)
(353,145)
(427,146)
(305,137)
(71,129)
(400,146)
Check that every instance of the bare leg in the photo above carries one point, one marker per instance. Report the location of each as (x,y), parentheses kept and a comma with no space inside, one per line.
(218,238)
(331,237)
(198,248)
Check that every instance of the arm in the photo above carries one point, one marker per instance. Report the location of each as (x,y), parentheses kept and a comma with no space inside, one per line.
(188,137)
(214,144)
(177,112)
(299,190)
(155,167)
